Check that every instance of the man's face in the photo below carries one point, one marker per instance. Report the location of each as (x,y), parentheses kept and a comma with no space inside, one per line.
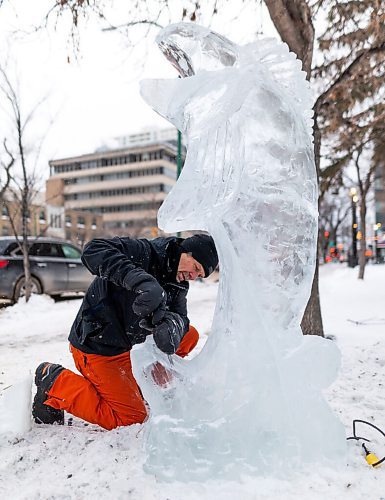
(189,268)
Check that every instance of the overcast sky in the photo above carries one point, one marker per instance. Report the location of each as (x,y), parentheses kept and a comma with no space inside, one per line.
(96,97)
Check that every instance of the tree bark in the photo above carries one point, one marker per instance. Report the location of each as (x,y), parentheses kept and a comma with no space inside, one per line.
(24,227)
(292,19)
(362,257)
(24,200)
(7,169)
(312,319)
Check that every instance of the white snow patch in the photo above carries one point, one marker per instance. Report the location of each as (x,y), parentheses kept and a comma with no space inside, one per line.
(84,461)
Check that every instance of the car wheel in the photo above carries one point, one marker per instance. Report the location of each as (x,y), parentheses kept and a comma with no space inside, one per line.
(20,288)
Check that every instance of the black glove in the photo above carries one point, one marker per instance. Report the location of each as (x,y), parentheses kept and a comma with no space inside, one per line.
(151,298)
(169,332)
(149,322)
(158,314)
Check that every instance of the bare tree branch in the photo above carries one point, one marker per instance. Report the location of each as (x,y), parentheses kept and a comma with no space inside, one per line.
(26,186)
(133,23)
(7,168)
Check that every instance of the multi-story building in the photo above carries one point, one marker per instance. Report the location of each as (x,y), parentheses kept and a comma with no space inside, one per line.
(76,226)
(124,186)
(11,217)
(147,136)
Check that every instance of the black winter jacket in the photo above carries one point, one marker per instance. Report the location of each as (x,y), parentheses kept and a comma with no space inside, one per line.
(106,323)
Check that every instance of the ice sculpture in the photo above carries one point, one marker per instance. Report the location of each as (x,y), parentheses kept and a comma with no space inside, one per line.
(251,401)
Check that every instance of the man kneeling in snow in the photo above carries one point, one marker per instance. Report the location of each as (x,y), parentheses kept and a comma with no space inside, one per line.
(140,289)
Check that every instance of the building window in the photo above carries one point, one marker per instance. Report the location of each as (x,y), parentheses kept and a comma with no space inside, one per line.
(120,175)
(379,184)
(81,222)
(131,207)
(42,217)
(4,213)
(152,188)
(55,221)
(68,220)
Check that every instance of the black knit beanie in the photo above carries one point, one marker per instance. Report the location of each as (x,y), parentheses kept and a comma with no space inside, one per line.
(202,248)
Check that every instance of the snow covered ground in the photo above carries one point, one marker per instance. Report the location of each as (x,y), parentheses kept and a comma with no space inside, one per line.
(83,461)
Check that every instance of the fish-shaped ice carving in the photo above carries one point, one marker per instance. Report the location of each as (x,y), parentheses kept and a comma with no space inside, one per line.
(251,401)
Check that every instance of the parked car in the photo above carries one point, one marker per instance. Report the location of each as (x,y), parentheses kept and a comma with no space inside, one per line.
(56,268)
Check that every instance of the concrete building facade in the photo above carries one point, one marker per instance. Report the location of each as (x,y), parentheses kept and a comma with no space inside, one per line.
(11,217)
(125,187)
(47,220)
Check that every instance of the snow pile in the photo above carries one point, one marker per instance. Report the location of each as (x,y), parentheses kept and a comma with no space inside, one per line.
(83,461)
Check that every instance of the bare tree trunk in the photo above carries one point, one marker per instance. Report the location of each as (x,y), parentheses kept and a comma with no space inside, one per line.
(9,92)
(24,208)
(24,228)
(364,186)
(362,257)
(312,319)
(293,21)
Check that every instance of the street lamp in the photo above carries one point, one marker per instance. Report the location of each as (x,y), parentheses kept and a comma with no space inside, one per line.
(354,198)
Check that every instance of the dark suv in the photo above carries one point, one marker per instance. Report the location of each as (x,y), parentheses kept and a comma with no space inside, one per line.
(56,268)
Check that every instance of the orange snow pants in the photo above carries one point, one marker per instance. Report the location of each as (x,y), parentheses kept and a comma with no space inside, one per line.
(106,392)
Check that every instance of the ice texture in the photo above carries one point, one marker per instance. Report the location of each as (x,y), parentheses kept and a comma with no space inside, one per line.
(251,401)
(15,408)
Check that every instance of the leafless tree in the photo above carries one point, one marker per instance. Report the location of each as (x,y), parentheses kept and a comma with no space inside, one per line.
(24,188)
(365,178)
(332,216)
(350,80)
(347,79)
(5,172)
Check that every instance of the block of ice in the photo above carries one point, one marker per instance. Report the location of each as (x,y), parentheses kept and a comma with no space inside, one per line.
(251,401)
(15,408)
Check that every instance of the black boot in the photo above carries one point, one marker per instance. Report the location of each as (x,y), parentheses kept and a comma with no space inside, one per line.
(45,376)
